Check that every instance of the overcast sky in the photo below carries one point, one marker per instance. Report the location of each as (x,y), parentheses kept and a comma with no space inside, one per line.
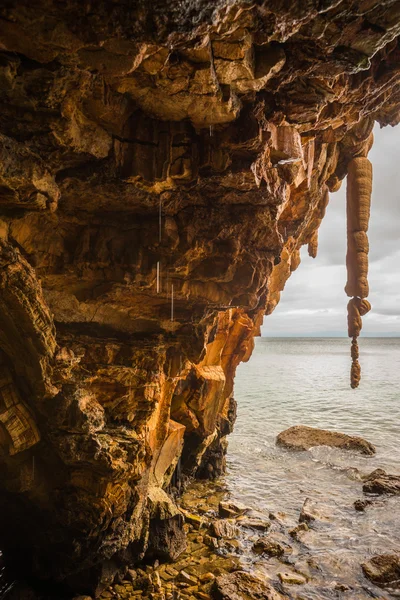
(313,301)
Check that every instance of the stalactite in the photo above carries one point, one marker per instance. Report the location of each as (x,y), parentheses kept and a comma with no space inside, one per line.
(359,187)
(313,243)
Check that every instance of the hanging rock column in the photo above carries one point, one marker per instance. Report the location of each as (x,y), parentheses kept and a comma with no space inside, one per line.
(359,188)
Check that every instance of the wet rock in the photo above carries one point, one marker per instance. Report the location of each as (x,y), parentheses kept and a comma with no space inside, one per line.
(250,523)
(292,578)
(224,528)
(270,547)
(380,482)
(231,509)
(361,505)
(294,533)
(243,586)
(310,513)
(342,587)
(301,437)
(383,569)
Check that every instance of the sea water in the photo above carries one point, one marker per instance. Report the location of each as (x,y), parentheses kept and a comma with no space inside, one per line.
(305,381)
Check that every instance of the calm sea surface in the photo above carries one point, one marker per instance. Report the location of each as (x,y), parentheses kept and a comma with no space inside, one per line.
(306,381)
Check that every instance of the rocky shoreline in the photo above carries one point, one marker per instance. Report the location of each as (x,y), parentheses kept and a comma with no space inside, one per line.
(235,552)
(231,551)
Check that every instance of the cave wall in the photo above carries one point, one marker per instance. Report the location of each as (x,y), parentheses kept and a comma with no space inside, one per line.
(161,167)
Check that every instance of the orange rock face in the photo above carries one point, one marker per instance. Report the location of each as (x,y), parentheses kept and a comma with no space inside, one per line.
(161,166)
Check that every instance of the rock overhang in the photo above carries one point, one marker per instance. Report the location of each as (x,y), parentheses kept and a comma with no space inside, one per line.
(161,168)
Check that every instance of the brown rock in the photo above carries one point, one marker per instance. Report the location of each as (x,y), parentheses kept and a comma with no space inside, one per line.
(383,569)
(294,533)
(361,505)
(269,547)
(292,578)
(254,523)
(301,437)
(224,528)
(380,482)
(359,189)
(243,586)
(232,509)
(309,512)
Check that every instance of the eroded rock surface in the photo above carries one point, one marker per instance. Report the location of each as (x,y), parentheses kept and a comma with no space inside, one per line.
(243,586)
(380,482)
(383,570)
(301,437)
(161,166)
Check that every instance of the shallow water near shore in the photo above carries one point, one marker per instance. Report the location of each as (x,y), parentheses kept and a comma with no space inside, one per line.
(306,381)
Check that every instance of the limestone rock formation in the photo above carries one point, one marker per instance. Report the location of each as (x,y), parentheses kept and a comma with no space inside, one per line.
(161,166)
(302,437)
(359,189)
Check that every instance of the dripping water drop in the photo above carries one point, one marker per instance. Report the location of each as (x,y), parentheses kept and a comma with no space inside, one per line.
(158,277)
(172,302)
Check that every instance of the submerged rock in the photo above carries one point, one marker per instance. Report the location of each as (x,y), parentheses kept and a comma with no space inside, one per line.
(310,513)
(380,482)
(383,569)
(291,578)
(270,547)
(254,523)
(361,505)
(294,533)
(243,586)
(301,437)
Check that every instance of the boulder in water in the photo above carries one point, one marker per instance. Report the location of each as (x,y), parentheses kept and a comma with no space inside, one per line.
(361,505)
(301,437)
(383,569)
(243,586)
(380,482)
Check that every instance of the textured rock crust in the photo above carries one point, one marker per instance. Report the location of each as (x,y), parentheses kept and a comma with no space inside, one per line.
(161,166)
(301,437)
(243,586)
(383,570)
(380,482)
(359,190)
